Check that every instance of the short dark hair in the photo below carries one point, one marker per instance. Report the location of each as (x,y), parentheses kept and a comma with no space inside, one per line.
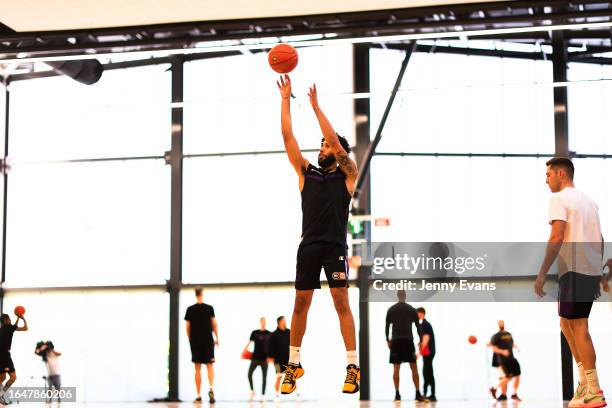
(421,310)
(198,291)
(279,318)
(563,162)
(345,144)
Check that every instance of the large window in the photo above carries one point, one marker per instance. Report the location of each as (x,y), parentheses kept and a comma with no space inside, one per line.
(463,104)
(232,103)
(88,224)
(125,114)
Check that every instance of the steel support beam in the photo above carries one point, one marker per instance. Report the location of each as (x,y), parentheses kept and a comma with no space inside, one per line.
(559,59)
(6,97)
(361,83)
(175,159)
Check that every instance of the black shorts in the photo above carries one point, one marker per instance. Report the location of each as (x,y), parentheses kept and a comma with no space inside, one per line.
(510,366)
(577,292)
(202,353)
(402,351)
(6,363)
(312,257)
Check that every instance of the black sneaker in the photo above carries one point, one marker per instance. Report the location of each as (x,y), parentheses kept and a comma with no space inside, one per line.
(398,397)
(502,397)
(418,397)
(199,399)
(515,397)
(432,398)
(211,396)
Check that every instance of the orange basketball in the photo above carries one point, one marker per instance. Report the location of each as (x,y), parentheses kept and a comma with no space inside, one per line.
(246,355)
(283,58)
(19,310)
(472,339)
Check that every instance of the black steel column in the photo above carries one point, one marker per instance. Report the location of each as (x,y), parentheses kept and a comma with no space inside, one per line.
(559,59)
(361,83)
(6,97)
(175,159)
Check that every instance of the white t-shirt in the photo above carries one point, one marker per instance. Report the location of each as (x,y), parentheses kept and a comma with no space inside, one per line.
(581,249)
(53,364)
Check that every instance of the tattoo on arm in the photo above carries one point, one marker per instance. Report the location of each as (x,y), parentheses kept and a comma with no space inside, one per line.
(346,164)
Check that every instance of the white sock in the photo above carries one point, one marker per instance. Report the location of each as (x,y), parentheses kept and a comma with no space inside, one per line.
(583,379)
(294,355)
(351,358)
(592,380)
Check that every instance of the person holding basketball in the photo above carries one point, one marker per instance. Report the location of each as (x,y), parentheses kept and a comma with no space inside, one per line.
(576,243)
(7,329)
(326,196)
(201,324)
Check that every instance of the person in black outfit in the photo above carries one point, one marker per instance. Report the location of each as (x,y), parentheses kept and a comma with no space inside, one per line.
(326,193)
(502,345)
(201,324)
(260,355)
(401,344)
(427,347)
(7,329)
(278,349)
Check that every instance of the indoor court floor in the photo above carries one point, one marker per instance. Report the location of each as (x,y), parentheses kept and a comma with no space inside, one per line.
(326,404)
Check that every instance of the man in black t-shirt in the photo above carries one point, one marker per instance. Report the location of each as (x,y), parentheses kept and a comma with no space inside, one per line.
(401,316)
(260,355)
(427,349)
(7,329)
(278,349)
(201,324)
(502,345)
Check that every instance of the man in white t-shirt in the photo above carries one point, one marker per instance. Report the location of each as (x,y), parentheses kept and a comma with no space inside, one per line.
(577,244)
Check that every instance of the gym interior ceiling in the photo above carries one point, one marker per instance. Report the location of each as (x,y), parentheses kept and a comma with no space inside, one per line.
(29,33)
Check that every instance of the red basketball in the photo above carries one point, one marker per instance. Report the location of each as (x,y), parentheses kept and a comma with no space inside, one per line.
(19,310)
(283,58)
(246,355)
(472,339)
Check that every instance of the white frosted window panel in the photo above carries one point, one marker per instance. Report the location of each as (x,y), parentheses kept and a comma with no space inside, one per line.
(114,344)
(237,311)
(88,224)
(594,177)
(242,219)
(460,199)
(127,113)
(232,104)
(463,104)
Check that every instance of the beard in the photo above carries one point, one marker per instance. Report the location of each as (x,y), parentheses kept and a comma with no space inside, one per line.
(326,161)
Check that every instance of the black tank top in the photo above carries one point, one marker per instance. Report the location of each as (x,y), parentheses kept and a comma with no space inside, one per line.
(325,207)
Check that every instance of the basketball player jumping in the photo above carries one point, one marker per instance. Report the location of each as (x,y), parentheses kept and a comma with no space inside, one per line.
(326,195)
(577,244)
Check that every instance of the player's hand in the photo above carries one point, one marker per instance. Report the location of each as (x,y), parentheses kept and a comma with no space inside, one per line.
(539,285)
(217,343)
(284,86)
(312,94)
(505,353)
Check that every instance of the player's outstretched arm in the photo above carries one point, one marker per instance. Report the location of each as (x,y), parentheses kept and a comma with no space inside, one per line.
(347,165)
(25,325)
(298,161)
